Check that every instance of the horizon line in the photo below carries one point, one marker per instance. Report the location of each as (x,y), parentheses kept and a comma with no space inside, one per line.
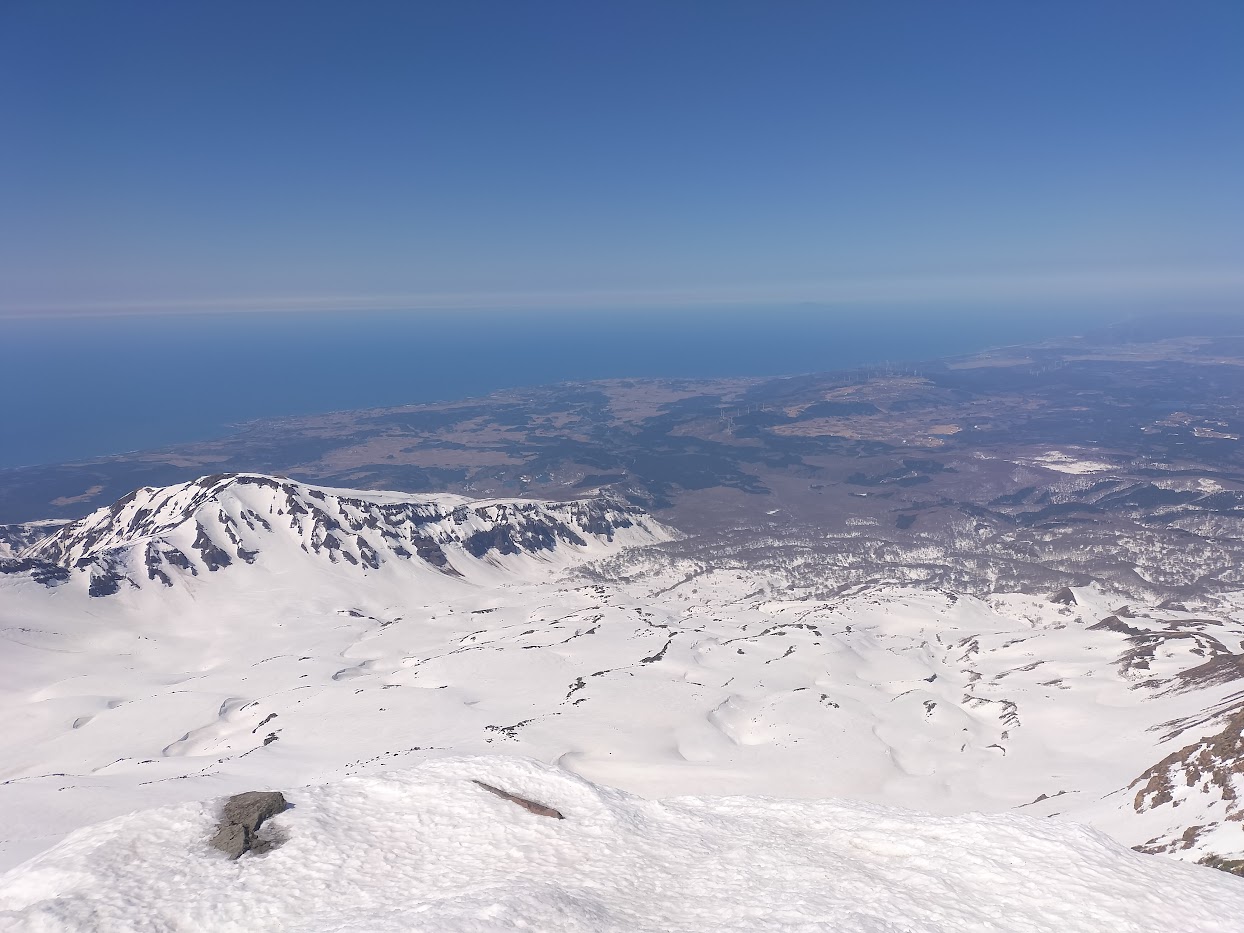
(1171,284)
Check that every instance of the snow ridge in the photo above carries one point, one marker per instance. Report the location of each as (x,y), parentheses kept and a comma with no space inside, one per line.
(429,849)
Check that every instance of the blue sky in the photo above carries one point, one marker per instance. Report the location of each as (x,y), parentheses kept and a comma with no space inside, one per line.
(236,155)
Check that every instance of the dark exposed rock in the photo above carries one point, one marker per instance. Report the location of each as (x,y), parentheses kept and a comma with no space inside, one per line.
(530,806)
(41,571)
(1115,624)
(660,654)
(522,534)
(430,551)
(105,583)
(501,540)
(1220,669)
(596,519)
(1065,597)
(241,819)
(180,560)
(153,561)
(253,807)
(367,553)
(212,556)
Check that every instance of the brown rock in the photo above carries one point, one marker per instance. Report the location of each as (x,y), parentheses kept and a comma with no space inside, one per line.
(530,806)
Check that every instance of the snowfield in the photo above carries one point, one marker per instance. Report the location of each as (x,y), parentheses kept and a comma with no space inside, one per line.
(427,849)
(243,632)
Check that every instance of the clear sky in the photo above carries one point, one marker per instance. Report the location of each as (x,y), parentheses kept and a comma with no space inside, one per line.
(260,154)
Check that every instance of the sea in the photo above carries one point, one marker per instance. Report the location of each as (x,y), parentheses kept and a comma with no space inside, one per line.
(75,388)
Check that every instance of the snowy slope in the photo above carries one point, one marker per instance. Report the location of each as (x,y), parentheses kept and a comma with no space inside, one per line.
(16,538)
(651,672)
(429,850)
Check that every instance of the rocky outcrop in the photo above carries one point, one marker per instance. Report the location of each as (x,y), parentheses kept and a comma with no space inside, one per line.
(1065,597)
(1209,765)
(241,818)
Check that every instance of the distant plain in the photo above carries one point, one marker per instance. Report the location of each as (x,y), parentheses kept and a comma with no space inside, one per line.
(90,386)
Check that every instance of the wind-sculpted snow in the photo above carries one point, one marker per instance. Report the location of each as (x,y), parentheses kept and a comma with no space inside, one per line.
(180,532)
(429,849)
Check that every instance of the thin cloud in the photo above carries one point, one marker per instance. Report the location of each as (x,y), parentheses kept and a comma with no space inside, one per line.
(1030,287)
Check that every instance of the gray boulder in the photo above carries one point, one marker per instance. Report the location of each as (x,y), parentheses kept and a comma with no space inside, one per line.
(241,817)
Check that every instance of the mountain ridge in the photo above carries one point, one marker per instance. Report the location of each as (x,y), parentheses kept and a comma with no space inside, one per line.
(162,534)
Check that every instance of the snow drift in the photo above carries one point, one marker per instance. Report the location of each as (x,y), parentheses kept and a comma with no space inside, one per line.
(429,849)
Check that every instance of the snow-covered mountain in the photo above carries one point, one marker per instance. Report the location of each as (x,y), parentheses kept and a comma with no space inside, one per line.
(176,533)
(244,631)
(430,849)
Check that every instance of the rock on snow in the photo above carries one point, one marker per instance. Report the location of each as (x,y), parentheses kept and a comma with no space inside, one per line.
(241,819)
(429,849)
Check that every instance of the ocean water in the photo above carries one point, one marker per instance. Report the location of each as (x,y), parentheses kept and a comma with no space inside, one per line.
(75,388)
